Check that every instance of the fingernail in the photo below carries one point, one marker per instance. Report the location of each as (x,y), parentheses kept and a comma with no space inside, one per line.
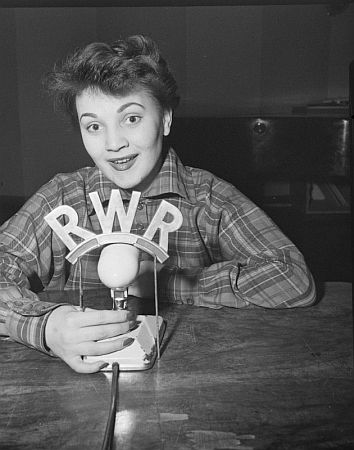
(128,342)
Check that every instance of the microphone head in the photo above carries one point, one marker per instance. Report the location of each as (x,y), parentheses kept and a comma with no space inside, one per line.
(118,265)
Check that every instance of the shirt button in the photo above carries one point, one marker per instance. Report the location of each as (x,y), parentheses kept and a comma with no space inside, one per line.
(141,205)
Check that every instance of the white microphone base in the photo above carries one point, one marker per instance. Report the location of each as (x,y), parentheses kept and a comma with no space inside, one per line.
(142,353)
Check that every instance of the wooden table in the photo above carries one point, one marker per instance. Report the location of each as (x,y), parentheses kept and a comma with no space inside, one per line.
(227,379)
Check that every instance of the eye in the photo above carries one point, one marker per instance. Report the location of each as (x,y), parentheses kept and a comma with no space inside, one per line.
(133,119)
(94,127)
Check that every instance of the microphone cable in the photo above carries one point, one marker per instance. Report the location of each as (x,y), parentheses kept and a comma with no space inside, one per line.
(109,432)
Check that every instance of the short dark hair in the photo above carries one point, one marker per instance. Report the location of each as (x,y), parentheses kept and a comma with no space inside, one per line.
(117,69)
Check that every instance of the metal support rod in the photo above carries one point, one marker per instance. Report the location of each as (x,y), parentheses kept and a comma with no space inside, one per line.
(81,293)
(157,337)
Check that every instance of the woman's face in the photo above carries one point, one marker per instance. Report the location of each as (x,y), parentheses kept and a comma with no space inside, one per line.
(123,135)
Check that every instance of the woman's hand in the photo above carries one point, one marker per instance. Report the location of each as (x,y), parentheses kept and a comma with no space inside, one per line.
(71,333)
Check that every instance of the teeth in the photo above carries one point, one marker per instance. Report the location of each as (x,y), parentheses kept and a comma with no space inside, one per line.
(121,161)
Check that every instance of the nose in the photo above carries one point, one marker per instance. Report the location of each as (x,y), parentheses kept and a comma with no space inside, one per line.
(116,140)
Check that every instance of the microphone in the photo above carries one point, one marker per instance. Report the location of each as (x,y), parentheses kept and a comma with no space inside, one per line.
(117,268)
(119,264)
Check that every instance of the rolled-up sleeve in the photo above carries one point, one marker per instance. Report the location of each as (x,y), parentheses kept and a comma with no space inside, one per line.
(252,263)
(24,320)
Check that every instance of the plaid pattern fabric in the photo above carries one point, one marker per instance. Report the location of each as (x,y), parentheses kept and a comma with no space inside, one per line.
(226,253)
(28,330)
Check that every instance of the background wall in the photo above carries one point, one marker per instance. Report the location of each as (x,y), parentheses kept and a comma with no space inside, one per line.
(228,61)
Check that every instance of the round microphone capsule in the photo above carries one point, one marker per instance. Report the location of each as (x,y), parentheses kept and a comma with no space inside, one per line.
(118,265)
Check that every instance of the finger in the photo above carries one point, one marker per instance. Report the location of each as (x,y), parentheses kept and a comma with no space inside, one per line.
(101,317)
(80,366)
(130,314)
(96,333)
(106,347)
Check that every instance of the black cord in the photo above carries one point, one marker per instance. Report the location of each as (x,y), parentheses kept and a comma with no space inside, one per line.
(109,432)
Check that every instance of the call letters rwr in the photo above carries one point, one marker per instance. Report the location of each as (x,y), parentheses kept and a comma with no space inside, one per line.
(125,218)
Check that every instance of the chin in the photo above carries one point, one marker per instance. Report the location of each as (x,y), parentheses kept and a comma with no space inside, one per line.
(127,185)
(125,182)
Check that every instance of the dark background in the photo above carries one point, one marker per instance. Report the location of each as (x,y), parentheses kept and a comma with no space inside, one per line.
(246,74)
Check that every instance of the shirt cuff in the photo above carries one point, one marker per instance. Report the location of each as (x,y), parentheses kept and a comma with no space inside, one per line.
(172,286)
(29,330)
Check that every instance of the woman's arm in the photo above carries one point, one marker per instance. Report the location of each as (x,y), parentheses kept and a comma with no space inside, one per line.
(254,264)
(55,329)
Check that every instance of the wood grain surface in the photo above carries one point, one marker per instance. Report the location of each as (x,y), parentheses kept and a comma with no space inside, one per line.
(227,379)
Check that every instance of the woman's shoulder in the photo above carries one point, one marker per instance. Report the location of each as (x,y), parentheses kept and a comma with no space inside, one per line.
(65,188)
(78,176)
(217,189)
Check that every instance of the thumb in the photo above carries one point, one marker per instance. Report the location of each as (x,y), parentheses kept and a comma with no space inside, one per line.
(81,366)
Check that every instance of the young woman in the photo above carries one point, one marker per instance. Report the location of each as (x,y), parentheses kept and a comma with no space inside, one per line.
(226,253)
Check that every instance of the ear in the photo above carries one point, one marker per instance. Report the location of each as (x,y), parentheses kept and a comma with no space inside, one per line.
(167,121)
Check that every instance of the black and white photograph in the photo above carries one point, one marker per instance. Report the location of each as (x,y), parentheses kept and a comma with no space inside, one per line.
(175,224)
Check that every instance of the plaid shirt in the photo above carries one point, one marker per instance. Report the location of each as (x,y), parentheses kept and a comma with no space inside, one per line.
(226,253)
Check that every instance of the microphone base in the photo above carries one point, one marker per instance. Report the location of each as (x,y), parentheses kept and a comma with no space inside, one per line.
(142,353)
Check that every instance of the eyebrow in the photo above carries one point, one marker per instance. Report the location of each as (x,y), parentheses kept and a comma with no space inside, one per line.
(126,105)
(119,110)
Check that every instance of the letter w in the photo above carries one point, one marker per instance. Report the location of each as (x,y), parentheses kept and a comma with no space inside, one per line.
(115,205)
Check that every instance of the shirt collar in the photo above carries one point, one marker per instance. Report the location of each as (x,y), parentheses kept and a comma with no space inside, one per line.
(97,182)
(173,178)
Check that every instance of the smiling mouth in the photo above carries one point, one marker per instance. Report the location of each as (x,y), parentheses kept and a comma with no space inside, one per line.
(123,163)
